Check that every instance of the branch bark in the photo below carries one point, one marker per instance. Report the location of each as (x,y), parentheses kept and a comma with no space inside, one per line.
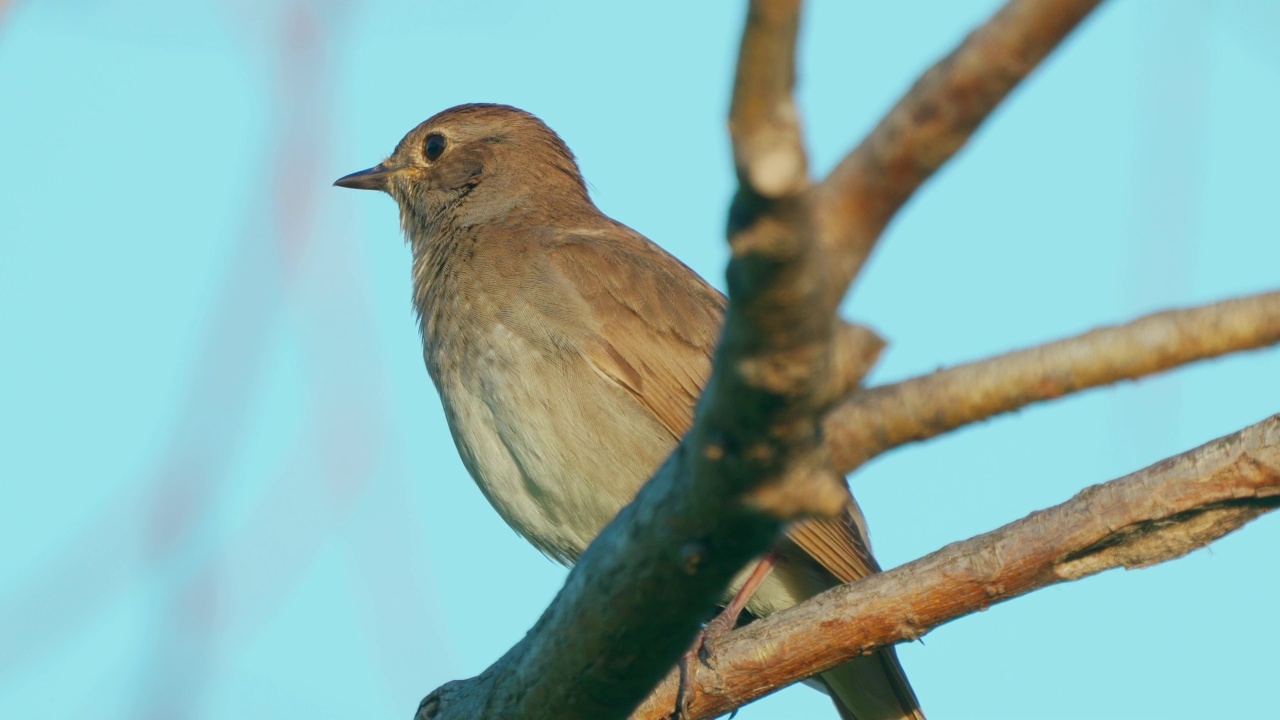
(1156,514)
(885,417)
(933,121)
(772,168)
(763,122)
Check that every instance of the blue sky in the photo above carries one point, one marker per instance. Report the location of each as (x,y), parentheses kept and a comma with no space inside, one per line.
(226,486)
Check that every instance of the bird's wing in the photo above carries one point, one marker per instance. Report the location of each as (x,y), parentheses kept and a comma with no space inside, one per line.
(657,325)
(839,544)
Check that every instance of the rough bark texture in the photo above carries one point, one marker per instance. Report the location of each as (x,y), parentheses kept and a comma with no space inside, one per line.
(1156,514)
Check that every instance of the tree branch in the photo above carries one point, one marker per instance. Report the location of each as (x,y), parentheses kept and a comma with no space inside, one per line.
(754,457)
(881,418)
(1156,514)
(933,121)
(772,167)
(795,359)
(763,122)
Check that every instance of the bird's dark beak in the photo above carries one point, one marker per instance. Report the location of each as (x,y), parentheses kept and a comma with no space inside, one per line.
(375,178)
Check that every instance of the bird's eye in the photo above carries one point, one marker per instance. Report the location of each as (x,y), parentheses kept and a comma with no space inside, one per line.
(433,148)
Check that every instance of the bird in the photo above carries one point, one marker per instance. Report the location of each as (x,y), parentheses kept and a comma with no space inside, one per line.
(568,352)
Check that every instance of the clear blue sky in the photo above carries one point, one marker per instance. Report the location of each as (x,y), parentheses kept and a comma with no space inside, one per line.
(226,486)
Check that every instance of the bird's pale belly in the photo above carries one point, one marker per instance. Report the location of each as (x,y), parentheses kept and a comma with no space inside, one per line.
(532,435)
(533,443)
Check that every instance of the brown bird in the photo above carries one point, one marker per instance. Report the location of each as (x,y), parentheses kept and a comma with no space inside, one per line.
(569,350)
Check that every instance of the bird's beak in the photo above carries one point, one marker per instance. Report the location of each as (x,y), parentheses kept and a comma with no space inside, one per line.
(375,178)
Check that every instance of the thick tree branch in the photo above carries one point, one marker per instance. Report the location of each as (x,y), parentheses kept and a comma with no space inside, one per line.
(933,121)
(1156,514)
(881,418)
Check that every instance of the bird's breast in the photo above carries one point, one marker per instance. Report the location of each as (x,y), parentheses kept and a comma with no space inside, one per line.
(555,448)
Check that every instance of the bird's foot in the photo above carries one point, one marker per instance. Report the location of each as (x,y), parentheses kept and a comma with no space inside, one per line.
(701,652)
(719,625)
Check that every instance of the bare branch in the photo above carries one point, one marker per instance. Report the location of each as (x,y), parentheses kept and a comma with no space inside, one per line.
(885,417)
(1156,514)
(934,120)
(769,152)
(763,122)
(792,352)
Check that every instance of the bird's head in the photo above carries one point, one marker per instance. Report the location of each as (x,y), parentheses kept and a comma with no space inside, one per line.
(472,164)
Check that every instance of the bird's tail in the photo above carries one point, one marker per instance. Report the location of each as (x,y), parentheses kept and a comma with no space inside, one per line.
(873,687)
